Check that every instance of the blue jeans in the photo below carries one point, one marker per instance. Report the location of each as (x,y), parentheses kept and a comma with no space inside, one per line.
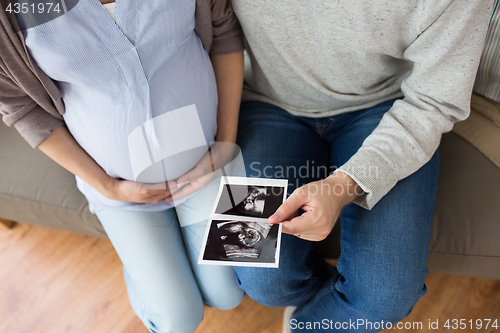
(166,286)
(380,273)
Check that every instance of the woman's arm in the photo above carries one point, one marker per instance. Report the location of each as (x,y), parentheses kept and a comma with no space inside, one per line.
(228,69)
(63,149)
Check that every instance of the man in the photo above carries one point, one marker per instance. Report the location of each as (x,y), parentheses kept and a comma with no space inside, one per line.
(366,88)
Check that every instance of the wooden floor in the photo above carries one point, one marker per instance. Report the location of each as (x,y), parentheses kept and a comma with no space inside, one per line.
(54,281)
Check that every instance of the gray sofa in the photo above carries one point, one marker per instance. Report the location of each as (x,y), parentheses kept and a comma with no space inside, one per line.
(465,232)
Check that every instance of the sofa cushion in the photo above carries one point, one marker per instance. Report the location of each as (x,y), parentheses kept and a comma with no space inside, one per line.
(466,227)
(482,128)
(35,190)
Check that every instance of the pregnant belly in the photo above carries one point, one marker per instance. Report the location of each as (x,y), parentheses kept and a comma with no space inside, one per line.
(133,148)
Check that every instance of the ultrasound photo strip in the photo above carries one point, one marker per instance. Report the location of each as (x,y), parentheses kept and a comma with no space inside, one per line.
(238,232)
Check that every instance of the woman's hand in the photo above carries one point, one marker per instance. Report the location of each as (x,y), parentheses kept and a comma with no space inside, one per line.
(126,190)
(322,202)
(217,157)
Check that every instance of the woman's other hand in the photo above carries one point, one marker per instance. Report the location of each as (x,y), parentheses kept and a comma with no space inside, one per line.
(217,157)
(126,190)
(63,149)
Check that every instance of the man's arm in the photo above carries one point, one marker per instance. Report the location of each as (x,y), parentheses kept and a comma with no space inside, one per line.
(437,94)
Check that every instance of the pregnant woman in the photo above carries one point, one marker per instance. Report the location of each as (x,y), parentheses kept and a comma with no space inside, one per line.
(124,76)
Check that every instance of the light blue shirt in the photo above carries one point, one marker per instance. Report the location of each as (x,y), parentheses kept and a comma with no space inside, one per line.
(117,77)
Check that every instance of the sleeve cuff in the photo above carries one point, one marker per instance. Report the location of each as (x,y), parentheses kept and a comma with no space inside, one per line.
(37,125)
(372,173)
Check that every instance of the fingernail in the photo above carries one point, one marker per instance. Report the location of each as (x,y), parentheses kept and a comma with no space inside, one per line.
(180,184)
(274,217)
(171,184)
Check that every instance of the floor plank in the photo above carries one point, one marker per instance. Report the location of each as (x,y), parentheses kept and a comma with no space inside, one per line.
(56,281)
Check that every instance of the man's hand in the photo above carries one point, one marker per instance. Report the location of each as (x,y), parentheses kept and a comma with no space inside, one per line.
(322,202)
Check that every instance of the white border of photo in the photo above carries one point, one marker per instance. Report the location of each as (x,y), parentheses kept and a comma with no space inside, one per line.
(213,216)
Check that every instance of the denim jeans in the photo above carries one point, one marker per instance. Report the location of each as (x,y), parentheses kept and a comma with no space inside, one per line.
(166,286)
(380,273)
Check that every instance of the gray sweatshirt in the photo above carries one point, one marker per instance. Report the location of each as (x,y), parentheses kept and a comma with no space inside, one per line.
(319,58)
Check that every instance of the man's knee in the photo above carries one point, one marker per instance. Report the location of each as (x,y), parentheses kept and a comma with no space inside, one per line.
(300,275)
(274,288)
(390,303)
(262,285)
